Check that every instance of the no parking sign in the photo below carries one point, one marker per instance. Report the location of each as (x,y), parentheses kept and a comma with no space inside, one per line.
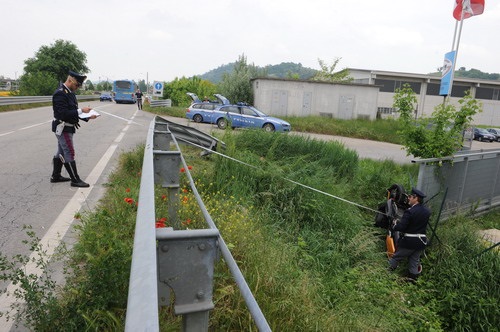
(158,89)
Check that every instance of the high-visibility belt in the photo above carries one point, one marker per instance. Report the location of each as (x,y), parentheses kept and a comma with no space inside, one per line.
(65,123)
(414,235)
(421,237)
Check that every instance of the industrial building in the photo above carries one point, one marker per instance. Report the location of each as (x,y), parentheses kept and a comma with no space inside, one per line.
(370,95)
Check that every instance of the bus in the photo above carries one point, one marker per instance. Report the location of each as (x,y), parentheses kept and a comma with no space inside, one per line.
(124,91)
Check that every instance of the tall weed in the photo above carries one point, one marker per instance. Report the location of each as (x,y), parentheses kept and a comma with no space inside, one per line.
(465,278)
(313,262)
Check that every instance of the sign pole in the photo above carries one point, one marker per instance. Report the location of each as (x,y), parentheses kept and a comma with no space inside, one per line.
(456,51)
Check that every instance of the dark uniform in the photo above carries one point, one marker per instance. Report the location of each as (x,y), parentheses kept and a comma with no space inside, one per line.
(64,125)
(138,96)
(413,239)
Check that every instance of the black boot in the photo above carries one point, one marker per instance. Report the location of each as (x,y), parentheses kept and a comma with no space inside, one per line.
(73,173)
(412,278)
(56,173)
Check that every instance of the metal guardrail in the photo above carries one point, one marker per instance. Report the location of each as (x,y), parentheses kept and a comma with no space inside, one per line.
(164,256)
(471,180)
(142,305)
(161,102)
(37,99)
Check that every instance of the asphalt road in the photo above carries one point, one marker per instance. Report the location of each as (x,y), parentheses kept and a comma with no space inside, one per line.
(366,149)
(26,148)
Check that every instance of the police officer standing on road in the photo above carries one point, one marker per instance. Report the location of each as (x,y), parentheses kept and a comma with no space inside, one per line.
(64,125)
(412,243)
(138,96)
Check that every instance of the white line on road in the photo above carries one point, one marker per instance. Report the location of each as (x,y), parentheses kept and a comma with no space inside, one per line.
(24,128)
(52,239)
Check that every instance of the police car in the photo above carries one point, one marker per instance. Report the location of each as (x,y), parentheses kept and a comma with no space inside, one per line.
(240,115)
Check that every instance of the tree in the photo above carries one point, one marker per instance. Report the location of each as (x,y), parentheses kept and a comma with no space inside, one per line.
(293,76)
(440,135)
(37,84)
(236,86)
(178,88)
(142,86)
(103,86)
(328,74)
(53,61)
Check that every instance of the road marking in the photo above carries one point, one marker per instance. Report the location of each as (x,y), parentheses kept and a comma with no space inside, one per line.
(52,239)
(24,128)
(7,133)
(121,118)
(49,121)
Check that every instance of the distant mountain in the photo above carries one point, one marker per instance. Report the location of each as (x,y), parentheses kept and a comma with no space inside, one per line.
(215,75)
(475,73)
(296,70)
(283,70)
(472,73)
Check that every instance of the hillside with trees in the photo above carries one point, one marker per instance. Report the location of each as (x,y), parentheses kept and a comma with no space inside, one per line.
(234,80)
(471,73)
(475,73)
(283,70)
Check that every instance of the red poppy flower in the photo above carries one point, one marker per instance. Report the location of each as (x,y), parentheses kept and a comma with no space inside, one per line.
(183,170)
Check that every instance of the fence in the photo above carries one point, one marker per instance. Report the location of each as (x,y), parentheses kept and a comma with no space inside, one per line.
(37,99)
(468,181)
(182,261)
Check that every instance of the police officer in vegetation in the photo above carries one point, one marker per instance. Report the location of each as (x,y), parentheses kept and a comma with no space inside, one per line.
(413,240)
(64,125)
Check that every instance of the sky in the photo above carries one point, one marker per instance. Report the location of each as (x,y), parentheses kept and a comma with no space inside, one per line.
(159,40)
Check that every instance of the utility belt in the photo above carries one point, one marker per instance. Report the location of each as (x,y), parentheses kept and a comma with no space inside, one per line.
(422,237)
(65,123)
(413,235)
(61,125)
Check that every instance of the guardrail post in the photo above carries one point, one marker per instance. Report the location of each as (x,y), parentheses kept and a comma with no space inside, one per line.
(162,140)
(166,173)
(185,264)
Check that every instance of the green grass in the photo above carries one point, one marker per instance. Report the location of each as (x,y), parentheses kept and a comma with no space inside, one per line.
(384,130)
(176,111)
(377,130)
(20,107)
(314,263)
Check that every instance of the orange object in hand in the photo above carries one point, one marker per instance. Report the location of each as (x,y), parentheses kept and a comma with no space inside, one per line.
(391,248)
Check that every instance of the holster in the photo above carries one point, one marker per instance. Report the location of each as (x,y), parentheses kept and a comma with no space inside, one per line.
(59,128)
